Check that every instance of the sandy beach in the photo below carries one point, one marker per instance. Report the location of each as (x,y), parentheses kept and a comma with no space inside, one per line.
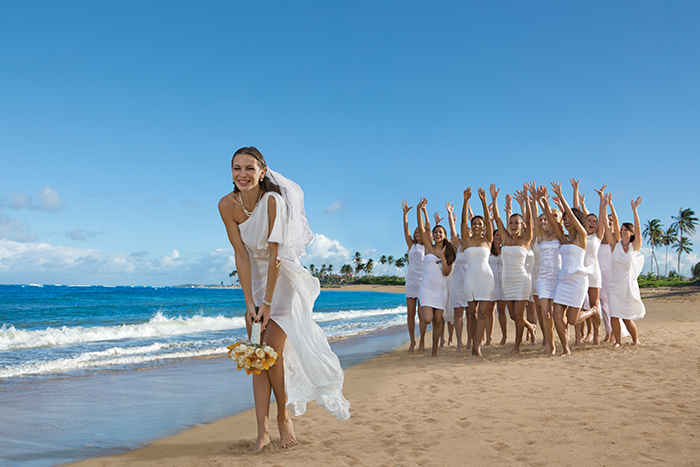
(631,406)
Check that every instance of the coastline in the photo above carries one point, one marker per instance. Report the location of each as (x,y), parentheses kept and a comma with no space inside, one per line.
(630,406)
(342,288)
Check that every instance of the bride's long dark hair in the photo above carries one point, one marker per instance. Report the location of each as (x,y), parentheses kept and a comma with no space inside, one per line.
(266,184)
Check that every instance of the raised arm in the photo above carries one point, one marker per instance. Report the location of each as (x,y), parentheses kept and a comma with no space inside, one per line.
(453,226)
(616,223)
(494,197)
(609,236)
(637,244)
(406,230)
(528,218)
(421,211)
(489,229)
(574,185)
(553,224)
(582,202)
(602,213)
(466,231)
(580,230)
(534,198)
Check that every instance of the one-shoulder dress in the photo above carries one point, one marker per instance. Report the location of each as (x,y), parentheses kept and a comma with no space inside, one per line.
(416,266)
(495,264)
(311,370)
(623,291)
(433,288)
(478,282)
(514,276)
(459,296)
(550,268)
(573,279)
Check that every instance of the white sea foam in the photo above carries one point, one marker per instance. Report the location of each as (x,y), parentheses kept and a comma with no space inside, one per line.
(109,357)
(157,326)
(354,314)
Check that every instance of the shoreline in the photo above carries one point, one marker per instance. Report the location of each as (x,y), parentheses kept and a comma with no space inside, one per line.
(630,406)
(342,288)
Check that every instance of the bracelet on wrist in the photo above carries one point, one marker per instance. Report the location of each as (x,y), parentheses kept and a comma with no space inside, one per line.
(265,302)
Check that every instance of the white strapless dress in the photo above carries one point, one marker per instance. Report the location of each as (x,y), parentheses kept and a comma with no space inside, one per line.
(516,280)
(590,260)
(623,291)
(572,288)
(479,282)
(433,288)
(311,370)
(414,276)
(459,296)
(536,268)
(550,268)
(495,264)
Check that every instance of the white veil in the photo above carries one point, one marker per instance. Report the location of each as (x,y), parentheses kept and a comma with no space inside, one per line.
(297,233)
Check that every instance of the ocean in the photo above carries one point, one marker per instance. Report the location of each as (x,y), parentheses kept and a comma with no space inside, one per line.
(95,370)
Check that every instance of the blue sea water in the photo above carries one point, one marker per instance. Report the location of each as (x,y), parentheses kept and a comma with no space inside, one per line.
(92,371)
(53,331)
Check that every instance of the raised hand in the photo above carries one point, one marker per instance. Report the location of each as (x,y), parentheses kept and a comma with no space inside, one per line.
(494,191)
(558,203)
(449,207)
(556,188)
(582,198)
(531,187)
(542,193)
(608,199)
(422,203)
(574,183)
(601,192)
(636,202)
(437,218)
(406,207)
(482,194)
(467,193)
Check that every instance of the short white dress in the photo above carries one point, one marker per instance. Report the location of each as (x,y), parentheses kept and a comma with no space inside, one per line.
(433,288)
(605,264)
(459,296)
(625,299)
(495,264)
(514,276)
(573,279)
(590,260)
(536,267)
(478,282)
(448,313)
(550,268)
(311,370)
(416,266)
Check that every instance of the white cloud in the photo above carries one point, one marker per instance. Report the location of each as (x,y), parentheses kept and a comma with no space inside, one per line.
(80,235)
(49,201)
(338,206)
(15,229)
(326,251)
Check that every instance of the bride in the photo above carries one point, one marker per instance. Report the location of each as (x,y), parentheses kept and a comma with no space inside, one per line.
(267,227)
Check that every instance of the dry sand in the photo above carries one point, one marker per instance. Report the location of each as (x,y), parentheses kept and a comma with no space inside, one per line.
(631,406)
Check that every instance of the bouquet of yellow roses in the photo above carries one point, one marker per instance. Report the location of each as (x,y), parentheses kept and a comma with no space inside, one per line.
(251,355)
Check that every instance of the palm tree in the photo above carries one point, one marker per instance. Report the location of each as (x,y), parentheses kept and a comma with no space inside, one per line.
(330,270)
(683,246)
(359,265)
(653,232)
(382,260)
(233,274)
(400,263)
(312,269)
(390,261)
(323,270)
(369,266)
(666,240)
(685,224)
(346,269)
(696,271)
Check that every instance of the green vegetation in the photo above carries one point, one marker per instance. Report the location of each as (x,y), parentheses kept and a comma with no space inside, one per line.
(650,280)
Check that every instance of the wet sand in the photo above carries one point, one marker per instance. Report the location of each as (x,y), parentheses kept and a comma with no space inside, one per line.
(637,405)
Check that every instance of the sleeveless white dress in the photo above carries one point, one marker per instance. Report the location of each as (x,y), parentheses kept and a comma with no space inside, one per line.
(495,264)
(433,288)
(448,313)
(311,370)
(623,292)
(573,279)
(605,264)
(590,259)
(416,266)
(550,268)
(536,268)
(514,276)
(479,281)
(459,296)
(530,267)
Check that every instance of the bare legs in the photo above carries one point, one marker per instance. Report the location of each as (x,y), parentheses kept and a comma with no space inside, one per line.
(263,384)
(503,320)
(459,313)
(485,309)
(547,323)
(411,321)
(432,315)
(518,316)
(562,327)
(531,318)
(617,331)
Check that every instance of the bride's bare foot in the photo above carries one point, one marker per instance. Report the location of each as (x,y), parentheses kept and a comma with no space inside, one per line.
(503,341)
(421,346)
(412,346)
(287,437)
(263,440)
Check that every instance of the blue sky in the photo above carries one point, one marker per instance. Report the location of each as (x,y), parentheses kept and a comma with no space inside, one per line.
(118,120)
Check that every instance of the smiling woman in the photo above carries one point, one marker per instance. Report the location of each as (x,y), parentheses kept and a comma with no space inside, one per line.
(266,224)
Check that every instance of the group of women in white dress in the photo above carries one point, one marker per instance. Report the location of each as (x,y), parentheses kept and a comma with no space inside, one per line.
(563,267)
